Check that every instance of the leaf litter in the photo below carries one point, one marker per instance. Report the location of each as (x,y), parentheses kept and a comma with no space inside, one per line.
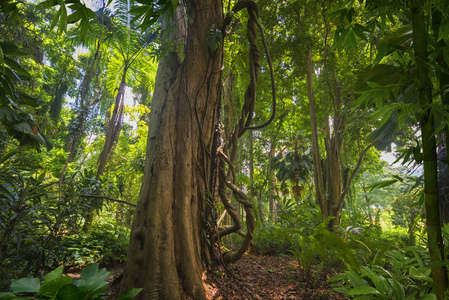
(269,277)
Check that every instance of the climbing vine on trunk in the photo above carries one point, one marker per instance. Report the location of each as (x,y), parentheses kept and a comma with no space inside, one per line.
(227,152)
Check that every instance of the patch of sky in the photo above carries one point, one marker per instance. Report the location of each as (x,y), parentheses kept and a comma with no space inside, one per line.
(391,157)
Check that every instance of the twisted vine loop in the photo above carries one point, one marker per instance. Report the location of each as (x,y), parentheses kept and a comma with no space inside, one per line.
(227,179)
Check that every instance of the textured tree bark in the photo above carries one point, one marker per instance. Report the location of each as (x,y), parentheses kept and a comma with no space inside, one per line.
(166,242)
(431,203)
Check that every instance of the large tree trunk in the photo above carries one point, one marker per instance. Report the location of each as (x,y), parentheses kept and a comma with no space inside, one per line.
(166,242)
(424,86)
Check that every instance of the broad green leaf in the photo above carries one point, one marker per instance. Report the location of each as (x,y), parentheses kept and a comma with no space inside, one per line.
(11,75)
(7,156)
(381,74)
(54,274)
(363,290)
(355,279)
(7,295)
(400,36)
(26,285)
(398,290)
(6,113)
(63,17)
(429,297)
(8,48)
(443,30)
(385,50)
(130,294)
(29,100)
(139,10)
(351,40)
(8,89)
(446,57)
(84,26)
(47,4)
(399,178)
(16,67)
(94,278)
(382,184)
(24,127)
(438,264)
(3,99)
(51,288)
(55,19)
(421,199)
(75,17)
(70,292)
(376,279)
(341,290)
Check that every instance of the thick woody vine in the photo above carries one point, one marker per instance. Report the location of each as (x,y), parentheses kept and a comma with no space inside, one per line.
(227,152)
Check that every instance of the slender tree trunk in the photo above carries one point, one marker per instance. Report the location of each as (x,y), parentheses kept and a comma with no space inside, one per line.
(424,85)
(317,170)
(166,242)
(368,200)
(112,134)
(330,194)
(333,175)
(272,183)
(252,193)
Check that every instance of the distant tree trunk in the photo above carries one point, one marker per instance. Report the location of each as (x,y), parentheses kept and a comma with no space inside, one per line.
(165,255)
(431,203)
(332,185)
(333,175)
(58,101)
(368,200)
(317,170)
(114,126)
(112,134)
(272,183)
(252,193)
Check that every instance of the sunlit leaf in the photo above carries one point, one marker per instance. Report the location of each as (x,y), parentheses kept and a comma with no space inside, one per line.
(26,285)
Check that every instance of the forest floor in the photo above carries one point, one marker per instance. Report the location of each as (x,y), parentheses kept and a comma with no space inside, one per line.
(257,277)
(270,277)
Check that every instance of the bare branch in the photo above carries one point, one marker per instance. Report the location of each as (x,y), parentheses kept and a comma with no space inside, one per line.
(109,198)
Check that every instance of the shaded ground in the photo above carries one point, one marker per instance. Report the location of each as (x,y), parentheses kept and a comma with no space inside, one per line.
(269,277)
(255,277)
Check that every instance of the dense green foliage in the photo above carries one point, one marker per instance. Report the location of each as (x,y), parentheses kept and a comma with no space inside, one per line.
(90,285)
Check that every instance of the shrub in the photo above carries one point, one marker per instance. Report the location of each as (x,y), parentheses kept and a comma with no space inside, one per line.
(104,244)
(407,277)
(89,286)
